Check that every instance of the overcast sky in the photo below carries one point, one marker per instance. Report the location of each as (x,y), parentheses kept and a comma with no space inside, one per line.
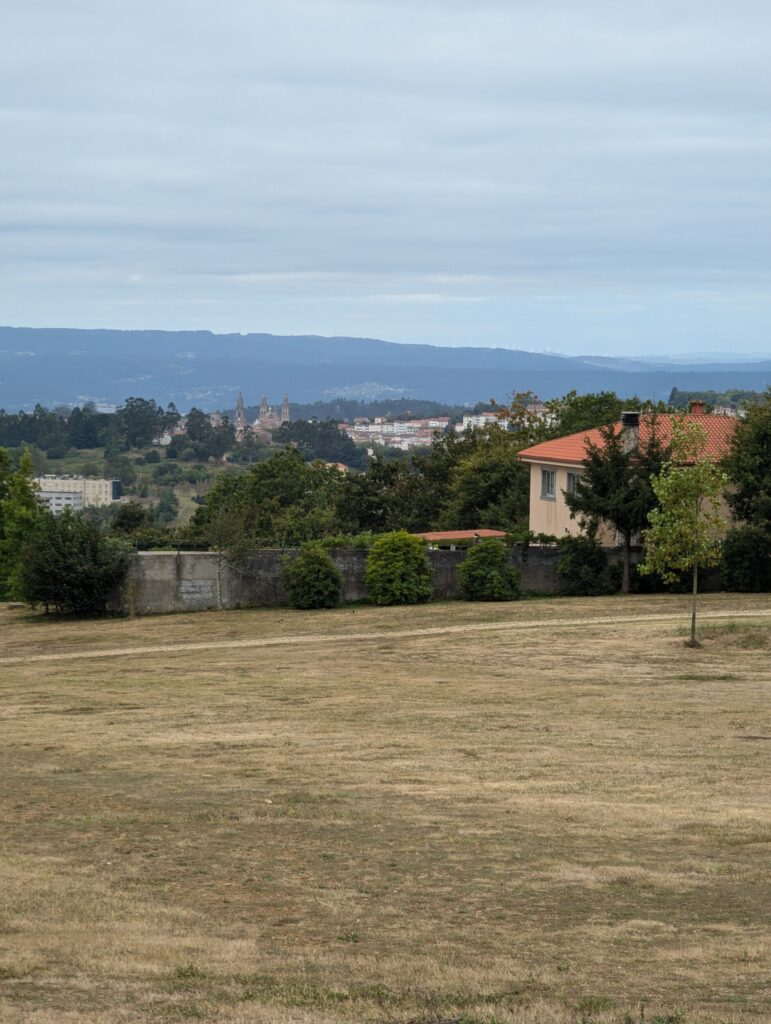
(577,176)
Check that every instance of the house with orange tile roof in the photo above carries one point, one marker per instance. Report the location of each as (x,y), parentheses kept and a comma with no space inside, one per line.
(556,465)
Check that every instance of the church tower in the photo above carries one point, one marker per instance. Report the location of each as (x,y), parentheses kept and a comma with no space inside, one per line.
(264,410)
(240,421)
(285,409)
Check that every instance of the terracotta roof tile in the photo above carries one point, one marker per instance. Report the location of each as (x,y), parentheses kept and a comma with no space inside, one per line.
(460,534)
(572,448)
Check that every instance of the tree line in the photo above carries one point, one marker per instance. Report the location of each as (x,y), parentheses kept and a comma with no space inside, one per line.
(463,481)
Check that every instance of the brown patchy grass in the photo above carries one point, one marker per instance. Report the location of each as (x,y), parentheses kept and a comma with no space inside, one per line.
(554,822)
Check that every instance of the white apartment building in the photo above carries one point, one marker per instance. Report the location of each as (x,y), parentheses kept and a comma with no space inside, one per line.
(480,420)
(76,492)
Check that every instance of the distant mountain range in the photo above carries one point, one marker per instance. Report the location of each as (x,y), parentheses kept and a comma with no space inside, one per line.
(54,366)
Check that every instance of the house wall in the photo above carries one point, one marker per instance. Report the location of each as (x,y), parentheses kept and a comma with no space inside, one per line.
(167,581)
(552,515)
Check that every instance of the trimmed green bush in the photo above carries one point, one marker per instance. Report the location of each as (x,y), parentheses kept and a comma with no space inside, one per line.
(746,564)
(398,570)
(311,579)
(583,568)
(485,574)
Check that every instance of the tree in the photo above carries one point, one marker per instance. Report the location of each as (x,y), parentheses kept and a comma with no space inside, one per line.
(616,486)
(488,487)
(67,563)
(746,561)
(583,568)
(140,421)
(573,412)
(686,527)
(534,421)
(168,506)
(398,570)
(321,440)
(485,573)
(130,518)
(311,579)
(749,466)
(20,507)
(281,502)
(389,496)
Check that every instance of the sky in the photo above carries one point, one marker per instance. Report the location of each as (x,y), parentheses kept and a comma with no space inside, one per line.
(588,177)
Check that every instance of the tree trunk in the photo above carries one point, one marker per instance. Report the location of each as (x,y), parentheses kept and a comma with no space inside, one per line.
(627,560)
(693,642)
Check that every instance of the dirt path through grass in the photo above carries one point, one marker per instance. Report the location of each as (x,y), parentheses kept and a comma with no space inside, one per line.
(402,634)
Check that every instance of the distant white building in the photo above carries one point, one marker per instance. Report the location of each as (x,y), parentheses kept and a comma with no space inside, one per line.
(480,420)
(401,434)
(76,492)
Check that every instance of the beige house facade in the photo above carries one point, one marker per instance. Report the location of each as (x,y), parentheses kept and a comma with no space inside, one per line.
(556,465)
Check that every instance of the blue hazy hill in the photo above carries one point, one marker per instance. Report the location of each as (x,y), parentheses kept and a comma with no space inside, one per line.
(54,366)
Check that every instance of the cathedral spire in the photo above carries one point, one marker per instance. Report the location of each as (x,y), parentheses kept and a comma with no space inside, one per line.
(240,423)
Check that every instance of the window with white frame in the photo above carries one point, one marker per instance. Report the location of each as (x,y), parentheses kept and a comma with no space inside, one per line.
(548,484)
(573,479)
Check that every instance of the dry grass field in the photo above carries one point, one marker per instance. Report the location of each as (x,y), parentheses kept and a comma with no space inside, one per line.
(550,812)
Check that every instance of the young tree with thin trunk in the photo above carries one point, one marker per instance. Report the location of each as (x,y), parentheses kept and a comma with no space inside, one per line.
(686,528)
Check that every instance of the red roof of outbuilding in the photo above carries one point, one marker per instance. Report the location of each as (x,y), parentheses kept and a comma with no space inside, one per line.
(572,449)
(460,534)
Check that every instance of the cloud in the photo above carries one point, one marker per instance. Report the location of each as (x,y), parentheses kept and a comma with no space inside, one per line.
(268,162)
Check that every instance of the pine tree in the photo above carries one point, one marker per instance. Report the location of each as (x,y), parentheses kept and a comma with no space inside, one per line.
(616,486)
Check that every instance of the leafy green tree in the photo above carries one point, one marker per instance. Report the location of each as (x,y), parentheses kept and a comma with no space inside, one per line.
(389,496)
(120,467)
(746,564)
(321,440)
(485,573)
(733,397)
(311,579)
(171,417)
(488,488)
(140,421)
(20,508)
(616,486)
(573,412)
(523,417)
(250,449)
(68,564)
(749,466)
(130,518)
(282,502)
(398,570)
(83,428)
(583,568)
(5,483)
(686,527)
(168,506)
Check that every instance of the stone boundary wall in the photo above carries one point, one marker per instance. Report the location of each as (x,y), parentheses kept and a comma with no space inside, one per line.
(167,581)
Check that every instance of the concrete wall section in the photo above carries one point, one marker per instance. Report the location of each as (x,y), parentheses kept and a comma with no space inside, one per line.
(167,581)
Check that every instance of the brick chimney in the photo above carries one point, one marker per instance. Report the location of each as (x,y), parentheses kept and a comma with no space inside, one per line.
(630,430)
(698,407)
